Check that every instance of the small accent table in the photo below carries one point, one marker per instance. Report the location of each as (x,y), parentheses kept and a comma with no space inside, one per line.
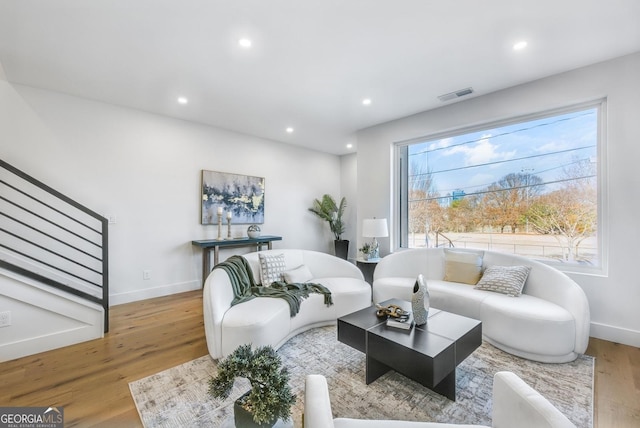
(208,244)
(368,267)
(427,354)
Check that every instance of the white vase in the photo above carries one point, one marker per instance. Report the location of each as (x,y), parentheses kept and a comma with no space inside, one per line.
(420,301)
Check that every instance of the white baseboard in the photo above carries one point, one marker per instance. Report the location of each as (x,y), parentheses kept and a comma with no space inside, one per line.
(57,339)
(149,293)
(615,334)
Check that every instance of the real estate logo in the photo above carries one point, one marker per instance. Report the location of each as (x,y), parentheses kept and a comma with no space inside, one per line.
(31,417)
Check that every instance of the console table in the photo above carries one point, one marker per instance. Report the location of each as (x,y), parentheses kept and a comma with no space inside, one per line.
(208,244)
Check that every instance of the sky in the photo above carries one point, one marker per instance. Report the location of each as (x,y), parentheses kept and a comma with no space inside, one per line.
(541,147)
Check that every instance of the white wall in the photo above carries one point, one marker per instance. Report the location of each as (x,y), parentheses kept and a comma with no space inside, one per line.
(349,189)
(146,169)
(613,298)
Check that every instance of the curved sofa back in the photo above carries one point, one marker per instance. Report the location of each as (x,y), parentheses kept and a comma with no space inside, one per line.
(544,281)
(321,265)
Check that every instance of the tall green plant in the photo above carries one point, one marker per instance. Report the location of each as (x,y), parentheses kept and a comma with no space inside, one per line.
(270,398)
(328,210)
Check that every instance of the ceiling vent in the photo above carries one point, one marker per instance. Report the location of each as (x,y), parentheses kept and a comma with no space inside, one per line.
(457,94)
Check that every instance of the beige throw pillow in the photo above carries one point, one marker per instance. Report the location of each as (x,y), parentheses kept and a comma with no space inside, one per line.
(504,279)
(463,266)
(298,275)
(271,268)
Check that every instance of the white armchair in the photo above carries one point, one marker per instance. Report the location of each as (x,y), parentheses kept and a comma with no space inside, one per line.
(515,404)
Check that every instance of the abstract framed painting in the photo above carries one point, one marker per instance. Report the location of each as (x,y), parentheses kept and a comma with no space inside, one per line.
(240,195)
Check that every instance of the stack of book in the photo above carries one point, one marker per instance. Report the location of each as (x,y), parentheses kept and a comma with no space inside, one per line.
(404,324)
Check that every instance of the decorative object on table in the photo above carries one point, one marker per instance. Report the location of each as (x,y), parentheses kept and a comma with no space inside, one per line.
(220,223)
(401,323)
(374,228)
(393,311)
(366,250)
(396,316)
(420,301)
(240,195)
(253,231)
(229,224)
(328,210)
(270,397)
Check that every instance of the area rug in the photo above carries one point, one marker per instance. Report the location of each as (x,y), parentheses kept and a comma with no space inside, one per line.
(177,397)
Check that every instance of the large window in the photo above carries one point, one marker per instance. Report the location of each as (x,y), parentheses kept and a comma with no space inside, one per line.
(528,186)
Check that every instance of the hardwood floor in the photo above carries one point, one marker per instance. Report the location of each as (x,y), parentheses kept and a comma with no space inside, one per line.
(91,380)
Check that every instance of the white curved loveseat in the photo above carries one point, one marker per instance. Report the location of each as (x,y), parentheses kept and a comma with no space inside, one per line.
(548,322)
(267,321)
(515,404)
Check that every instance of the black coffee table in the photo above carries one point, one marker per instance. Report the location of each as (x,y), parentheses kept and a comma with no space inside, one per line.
(428,354)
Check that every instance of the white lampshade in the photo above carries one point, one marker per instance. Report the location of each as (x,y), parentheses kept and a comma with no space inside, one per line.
(375,228)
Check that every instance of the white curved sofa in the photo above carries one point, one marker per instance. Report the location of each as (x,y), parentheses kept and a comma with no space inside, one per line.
(515,404)
(267,321)
(548,322)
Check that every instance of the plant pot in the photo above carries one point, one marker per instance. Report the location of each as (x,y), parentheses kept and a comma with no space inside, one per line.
(244,418)
(342,248)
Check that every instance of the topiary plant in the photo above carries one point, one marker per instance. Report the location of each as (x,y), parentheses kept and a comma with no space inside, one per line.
(270,397)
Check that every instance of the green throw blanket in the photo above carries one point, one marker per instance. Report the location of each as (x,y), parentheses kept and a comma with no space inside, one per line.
(245,287)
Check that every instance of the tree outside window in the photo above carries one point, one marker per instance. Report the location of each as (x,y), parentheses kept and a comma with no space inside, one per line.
(527,187)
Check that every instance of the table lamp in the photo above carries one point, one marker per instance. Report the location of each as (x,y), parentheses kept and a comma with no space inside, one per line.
(375,228)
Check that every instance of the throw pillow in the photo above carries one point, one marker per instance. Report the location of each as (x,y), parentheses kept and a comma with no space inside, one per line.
(504,279)
(463,266)
(271,268)
(297,275)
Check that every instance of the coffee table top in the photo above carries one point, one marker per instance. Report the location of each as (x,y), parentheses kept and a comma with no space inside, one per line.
(441,330)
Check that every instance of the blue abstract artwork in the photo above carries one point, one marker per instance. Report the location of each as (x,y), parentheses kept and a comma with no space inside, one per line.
(235,196)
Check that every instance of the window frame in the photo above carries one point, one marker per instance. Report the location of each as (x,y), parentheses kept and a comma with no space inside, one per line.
(401,181)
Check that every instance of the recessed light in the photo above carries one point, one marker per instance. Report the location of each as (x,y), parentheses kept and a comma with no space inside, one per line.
(349,146)
(245,43)
(366,101)
(520,45)
(289,130)
(182,100)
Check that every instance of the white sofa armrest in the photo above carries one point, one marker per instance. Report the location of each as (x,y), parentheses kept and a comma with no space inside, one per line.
(216,300)
(516,404)
(317,406)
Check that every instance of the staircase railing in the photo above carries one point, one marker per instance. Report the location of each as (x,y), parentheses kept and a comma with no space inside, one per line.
(50,238)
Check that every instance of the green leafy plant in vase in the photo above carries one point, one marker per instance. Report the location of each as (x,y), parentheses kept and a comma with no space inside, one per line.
(270,397)
(327,209)
(366,250)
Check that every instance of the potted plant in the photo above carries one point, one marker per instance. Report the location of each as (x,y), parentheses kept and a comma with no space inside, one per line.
(327,209)
(366,250)
(270,397)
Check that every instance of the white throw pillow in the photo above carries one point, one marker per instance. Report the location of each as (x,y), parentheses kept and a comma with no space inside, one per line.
(463,266)
(504,279)
(297,275)
(271,268)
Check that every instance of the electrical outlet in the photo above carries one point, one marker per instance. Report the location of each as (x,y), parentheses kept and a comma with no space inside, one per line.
(5,319)
(146,274)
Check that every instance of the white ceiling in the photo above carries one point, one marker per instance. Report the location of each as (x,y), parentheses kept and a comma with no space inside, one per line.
(312,62)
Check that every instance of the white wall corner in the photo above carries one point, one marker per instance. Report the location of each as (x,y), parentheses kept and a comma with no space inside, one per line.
(3,76)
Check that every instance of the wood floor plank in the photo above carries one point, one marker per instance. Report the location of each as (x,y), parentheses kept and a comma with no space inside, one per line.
(91,380)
